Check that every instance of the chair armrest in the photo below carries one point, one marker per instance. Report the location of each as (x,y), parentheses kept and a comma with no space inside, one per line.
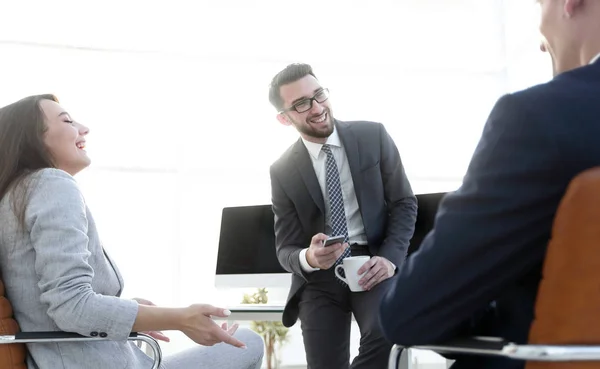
(470,345)
(394,360)
(42,337)
(58,336)
(499,347)
(554,352)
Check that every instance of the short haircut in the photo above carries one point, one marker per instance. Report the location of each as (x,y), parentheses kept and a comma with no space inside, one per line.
(289,74)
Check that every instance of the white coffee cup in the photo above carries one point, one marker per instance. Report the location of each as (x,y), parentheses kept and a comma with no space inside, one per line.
(351,265)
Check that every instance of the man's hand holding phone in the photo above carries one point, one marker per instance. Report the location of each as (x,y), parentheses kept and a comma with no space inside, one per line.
(322,254)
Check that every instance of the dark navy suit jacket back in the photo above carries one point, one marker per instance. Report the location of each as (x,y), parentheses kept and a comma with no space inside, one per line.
(477,272)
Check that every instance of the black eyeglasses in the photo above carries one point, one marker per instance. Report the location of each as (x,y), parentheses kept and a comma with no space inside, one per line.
(305,105)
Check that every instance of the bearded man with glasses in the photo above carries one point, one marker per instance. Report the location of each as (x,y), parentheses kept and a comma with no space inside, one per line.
(339,179)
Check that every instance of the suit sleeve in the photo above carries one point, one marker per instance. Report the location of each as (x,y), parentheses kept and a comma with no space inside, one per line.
(56,220)
(401,202)
(288,230)
(483,234)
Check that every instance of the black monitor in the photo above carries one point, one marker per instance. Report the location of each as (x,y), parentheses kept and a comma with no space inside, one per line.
(246,255)
(247,241)
(428,206)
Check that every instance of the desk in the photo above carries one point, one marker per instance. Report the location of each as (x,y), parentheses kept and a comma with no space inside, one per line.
(262,312)
(256,312)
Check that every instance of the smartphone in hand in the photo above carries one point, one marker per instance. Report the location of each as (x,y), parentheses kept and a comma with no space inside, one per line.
(333,240)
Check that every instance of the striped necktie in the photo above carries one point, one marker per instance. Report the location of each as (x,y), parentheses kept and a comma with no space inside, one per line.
(336,201)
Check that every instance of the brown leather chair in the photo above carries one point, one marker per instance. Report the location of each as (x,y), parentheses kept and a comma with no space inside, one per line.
(12,342)
(566,331)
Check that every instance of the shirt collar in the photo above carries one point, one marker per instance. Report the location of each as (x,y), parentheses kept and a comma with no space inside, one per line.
(595,59)
(315,148)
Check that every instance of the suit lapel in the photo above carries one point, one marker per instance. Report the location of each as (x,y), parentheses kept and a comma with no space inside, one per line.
(307,171)
(350,142)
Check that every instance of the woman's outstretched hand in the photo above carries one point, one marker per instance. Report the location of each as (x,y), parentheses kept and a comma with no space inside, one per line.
(199,326)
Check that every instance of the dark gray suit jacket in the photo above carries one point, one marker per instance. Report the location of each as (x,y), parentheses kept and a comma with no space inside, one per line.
(385,199)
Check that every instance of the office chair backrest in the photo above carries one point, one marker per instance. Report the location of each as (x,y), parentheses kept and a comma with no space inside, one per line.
(11,356)
(567,310)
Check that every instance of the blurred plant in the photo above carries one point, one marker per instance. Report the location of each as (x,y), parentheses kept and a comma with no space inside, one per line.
(273,332)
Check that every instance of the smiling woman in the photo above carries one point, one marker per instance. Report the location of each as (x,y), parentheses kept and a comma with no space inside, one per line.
(56,271)
(64,138)
(52,140)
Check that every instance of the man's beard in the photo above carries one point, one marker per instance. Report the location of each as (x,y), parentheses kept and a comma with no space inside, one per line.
(307,128)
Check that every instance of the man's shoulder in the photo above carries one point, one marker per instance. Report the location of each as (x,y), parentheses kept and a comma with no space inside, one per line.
(361,130)
(284,160)
(538,94)
(361,125)
(568,104)
(565,87)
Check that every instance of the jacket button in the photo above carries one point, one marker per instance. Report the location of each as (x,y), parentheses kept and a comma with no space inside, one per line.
(103,334)
(94,334)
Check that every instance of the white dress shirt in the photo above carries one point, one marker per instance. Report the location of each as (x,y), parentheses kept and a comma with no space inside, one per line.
(354,222)
(595,59)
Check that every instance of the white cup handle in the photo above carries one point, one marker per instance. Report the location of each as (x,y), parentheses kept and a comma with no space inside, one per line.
(337,274)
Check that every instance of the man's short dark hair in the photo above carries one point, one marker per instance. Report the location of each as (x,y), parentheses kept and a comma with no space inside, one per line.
(289,74)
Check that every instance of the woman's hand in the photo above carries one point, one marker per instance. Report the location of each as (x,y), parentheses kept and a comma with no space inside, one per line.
(199,326)
(155,334)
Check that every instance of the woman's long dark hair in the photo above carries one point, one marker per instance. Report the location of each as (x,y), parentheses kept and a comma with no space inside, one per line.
(22,148)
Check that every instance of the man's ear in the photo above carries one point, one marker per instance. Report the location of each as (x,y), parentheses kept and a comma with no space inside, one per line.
(571,6)
(283,119)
